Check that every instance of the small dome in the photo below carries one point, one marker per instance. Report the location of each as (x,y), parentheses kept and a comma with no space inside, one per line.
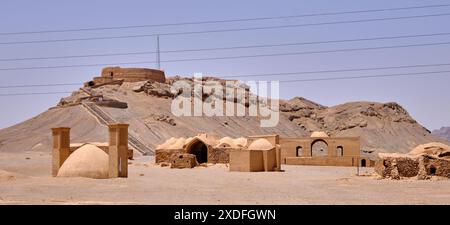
(226,142)
(87,161)
(260,144)
(179,144)
(208,139)
(166,144)
(319,134)
(240,142)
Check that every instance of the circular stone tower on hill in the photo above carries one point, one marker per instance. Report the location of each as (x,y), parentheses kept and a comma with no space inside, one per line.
(117,74)
(133,74)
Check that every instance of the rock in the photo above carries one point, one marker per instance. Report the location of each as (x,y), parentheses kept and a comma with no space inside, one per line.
(139,86)
(160,118)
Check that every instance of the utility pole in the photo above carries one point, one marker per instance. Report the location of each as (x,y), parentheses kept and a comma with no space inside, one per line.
(158,59)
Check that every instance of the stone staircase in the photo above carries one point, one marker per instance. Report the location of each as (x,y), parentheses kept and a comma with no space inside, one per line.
(105,119)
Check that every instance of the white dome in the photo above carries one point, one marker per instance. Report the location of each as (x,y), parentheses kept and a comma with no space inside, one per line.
(260,144)
(226,142)
(241,142)
(167,143)
(179,144)
(87,161)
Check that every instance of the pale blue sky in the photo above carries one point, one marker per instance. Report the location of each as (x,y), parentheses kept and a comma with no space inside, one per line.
(427,98)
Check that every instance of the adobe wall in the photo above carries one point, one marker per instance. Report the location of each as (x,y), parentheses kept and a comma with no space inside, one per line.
(219,155)
(322,161)
(351,146)
(164,155)
(133,74)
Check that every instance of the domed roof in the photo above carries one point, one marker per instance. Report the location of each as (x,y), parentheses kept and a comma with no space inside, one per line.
(87,161)
(260,144)
(178,144)
(209,139)
(241,142)
(319,134)
(433,148)
(226,142)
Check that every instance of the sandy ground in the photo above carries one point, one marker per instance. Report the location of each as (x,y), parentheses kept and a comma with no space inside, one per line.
(25,179)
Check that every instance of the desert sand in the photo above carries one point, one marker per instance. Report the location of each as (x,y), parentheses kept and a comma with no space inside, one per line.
(25,178)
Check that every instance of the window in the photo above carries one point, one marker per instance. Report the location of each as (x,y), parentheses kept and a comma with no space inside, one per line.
(299,151)
(363,163)
(339,151)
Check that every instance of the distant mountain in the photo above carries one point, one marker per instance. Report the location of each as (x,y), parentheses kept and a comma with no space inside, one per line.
(444,132)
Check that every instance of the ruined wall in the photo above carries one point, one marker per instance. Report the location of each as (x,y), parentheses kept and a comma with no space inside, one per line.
(219,155)
(182,160)
(164,155)
(396,166)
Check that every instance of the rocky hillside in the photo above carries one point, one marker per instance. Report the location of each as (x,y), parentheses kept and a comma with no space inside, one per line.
(383,127)
(444,132)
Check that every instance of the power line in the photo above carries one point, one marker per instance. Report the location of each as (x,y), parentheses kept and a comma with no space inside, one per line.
(223,30)
(305,53)
(263,75)
(292,81)
(227,48)
(222,21)
(369,76)
(229,57)
(39,85)
(338,70)
(35,93)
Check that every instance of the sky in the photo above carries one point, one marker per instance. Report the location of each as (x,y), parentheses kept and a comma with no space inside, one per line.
(427,97)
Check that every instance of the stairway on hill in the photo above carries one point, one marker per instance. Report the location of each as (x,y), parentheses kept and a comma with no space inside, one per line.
(105,119)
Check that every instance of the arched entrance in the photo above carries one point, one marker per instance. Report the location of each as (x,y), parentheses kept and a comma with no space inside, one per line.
(319,148)
(199,149)
(363,163)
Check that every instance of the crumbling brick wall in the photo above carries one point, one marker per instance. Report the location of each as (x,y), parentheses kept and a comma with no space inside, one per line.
(183,160)
(164,155)
(396,167)
(219,155)
(422,167)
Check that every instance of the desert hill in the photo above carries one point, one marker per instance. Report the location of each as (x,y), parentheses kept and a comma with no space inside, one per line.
(383,127)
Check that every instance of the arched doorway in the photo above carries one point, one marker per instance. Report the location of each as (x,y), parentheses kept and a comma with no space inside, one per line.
(200,150)
(299,151)
(363,163)
(339,151)
(319,148)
